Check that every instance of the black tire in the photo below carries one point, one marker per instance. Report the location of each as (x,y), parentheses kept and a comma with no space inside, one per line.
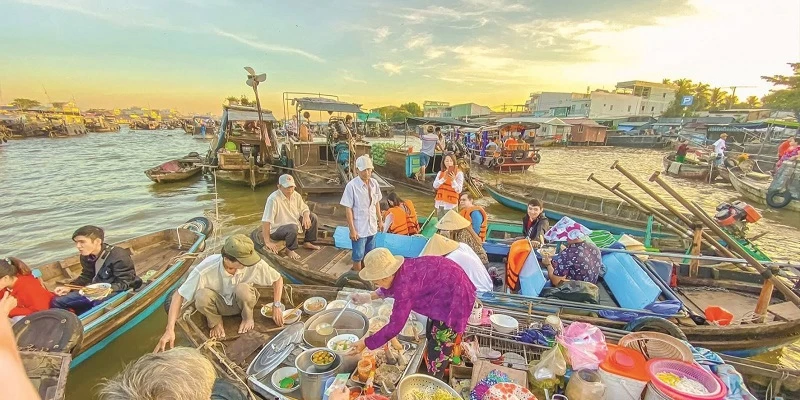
(730,163)
(778,199)
(500,160)
(655,324)
(206,226)
(537,158)
(193,154)
(352,280)
(518,155)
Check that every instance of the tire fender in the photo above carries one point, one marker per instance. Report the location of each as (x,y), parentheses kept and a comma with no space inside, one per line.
(655,324)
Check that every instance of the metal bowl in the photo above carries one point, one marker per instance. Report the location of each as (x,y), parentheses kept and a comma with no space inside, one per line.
(352,321)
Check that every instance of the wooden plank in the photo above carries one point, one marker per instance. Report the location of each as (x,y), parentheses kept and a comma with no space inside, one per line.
(786,311)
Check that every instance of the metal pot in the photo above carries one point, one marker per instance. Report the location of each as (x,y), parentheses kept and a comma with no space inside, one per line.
(352,321)
(313,380)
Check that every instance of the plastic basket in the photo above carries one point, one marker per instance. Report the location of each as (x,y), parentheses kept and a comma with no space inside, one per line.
(716,389)
(655,345)
(620,387)
(423,383)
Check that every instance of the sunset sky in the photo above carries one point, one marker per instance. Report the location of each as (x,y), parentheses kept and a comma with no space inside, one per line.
(189,54)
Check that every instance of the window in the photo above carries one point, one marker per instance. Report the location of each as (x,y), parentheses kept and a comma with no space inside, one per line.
(664,96)
(652,108)
(642,108)
(611,108)
(580,128)
(629,108)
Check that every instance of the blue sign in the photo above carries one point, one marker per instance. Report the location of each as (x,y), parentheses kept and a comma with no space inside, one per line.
(687,101)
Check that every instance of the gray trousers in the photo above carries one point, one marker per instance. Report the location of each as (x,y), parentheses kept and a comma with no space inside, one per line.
(288,233)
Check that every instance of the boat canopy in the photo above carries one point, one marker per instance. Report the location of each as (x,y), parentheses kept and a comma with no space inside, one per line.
(249,115)
(534,120)
(437,121)
(323,104)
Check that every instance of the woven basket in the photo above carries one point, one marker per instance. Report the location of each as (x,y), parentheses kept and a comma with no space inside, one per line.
(423,383)
(657,345)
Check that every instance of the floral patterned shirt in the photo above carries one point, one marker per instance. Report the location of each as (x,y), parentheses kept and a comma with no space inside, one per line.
(579,262)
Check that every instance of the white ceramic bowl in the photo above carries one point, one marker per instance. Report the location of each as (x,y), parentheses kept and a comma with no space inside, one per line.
(343,337)
(504,323)
(314,301)
(285,372)
(367,310)
(376,323)
(336,304)
(385,310)
(291,318)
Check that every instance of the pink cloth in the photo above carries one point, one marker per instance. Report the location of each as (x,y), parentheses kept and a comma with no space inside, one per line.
(170,166)
(566,229)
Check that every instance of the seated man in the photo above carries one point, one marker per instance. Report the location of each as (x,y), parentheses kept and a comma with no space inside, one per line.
(223,285)
(101,263)
(284,214)
(579,261)
(535,223)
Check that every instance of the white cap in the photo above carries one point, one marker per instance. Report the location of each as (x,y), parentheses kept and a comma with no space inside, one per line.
(364,162)
(286,181)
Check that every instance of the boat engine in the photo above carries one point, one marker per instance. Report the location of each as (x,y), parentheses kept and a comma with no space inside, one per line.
(734,217)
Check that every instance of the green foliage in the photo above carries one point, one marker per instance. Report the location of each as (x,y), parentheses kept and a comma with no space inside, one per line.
(241,100)
(25,104)
(413,108)
(787,98)
(394,113)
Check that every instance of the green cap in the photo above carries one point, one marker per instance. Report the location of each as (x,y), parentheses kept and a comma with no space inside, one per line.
(242,249)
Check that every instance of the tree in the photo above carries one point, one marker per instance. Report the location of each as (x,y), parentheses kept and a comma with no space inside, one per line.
(666,81)
(24,104)
(788,98)
(717,99)
(246,102)
(685,88)
(752,101)
(232,100)
(701,96)
(413,108)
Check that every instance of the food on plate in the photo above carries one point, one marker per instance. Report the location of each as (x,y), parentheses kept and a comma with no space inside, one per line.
(342,345)
(315,306)
(290,381)
(389,374)
(438,394)
(322,357)
(376,323)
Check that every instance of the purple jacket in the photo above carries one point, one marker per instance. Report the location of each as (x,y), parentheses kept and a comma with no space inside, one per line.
(433,286)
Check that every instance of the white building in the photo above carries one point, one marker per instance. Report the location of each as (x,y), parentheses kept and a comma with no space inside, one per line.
(632,98)
(656,97)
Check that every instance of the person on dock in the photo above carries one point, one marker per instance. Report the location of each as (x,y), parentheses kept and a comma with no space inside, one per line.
(449,183)
(719,150)
(401,217)
(180,373)
(101,263)
(362,197)
(579,261)
(416,284)
(458,228)
(683,148)
(535,223)
(17,279)
(431,142)
(223,285)
(464,256)
(476,215)
(285,215)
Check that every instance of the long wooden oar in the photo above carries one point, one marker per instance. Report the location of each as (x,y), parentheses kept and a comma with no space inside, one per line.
(426,221)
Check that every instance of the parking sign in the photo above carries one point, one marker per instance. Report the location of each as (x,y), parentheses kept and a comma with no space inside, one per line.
(687,101)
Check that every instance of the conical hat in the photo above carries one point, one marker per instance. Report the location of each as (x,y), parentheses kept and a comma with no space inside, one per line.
(439,245)
(452,221)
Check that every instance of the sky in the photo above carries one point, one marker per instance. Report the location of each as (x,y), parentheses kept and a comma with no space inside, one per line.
(189,54)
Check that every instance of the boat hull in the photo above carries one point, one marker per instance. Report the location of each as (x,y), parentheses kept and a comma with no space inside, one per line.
(691,171)
(637,141)
(756,192)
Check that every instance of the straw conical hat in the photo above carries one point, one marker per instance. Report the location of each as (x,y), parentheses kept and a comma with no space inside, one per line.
(439,245)
(380,263)
(452,221)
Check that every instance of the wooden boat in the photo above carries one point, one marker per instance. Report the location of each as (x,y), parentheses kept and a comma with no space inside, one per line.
(241,157)
(594,212)
(47,372)
(755,189)
(160,258)
(173,171)
(234,363)
(691,170)
(400,168)
(507,156)
(637,141)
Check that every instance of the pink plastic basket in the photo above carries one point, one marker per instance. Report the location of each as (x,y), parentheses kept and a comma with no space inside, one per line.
(716,389)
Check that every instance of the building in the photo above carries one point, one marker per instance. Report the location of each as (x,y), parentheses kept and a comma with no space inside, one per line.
(436,109)
(656,97)
(441,109)
(742,114)
(586,131)
(603,104)
(550,127)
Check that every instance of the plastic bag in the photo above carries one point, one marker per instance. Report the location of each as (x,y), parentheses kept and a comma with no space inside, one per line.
(550,366)
(585,344)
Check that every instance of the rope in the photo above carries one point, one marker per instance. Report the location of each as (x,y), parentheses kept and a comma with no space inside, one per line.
(210,345)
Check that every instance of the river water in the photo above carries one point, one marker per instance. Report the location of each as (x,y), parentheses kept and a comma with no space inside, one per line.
(50,187)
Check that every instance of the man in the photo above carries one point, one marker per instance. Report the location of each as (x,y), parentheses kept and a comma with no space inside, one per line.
(362,197)
(535,223)
(680,153)
(476,215)
(719,149)
(464,256)
(284,214)
(101,263)
(223,285)
(430,143)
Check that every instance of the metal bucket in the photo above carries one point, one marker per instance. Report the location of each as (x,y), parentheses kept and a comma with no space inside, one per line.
(352,321)
(313,380)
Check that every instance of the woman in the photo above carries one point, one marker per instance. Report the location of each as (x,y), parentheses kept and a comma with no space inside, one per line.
(401,217)
(579,261)
(449,183)
(416,285)
(460,230)
(16,277)
(534,223)
(789,154)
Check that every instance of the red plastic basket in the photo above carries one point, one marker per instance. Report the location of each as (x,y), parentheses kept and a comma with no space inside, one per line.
(716,389)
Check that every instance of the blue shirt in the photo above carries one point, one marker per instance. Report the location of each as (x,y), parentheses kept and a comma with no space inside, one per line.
(477,221)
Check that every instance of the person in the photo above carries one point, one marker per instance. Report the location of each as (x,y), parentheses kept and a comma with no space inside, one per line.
(401,216)
(786,145)
(285,213)
(416,285)
(101,263)
(458,228)
(449,183)
(348,122)
(464,256)
(362,197)
(719,149)
(291,126)
(17,279)
(223,285)
(579,261)
(180,373)
(680,153)
(790,154)
(18,385)
(430,144)
(476,215)
(535,223)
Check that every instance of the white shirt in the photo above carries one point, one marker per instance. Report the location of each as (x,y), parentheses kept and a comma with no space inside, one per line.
(211,275)
(720,147)
(457,184)
(387,222)
(429,142)
(356,197)
(466,258)
(280,210)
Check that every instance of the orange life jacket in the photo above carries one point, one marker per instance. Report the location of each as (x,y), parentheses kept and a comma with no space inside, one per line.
(445,192)
(404,219)
(411,218)
(517,255)
(467,213)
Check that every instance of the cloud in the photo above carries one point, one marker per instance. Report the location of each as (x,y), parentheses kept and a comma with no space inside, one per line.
(270,48)
(381,33)
(389,68)
(497,5)
(346,75)
(419,40)
(432,53)
(376,35)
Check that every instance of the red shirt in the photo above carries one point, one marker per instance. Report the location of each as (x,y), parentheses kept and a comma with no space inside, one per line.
(783,148)
(31,296)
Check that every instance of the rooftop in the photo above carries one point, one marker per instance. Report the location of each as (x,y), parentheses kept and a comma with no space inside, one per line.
(630,84)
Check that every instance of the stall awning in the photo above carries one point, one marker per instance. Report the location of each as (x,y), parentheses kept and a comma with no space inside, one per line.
(438,121)
(241,115)
(321,104)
